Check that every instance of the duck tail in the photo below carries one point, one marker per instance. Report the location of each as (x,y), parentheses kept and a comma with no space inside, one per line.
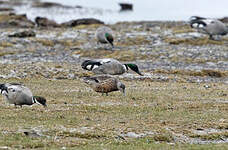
(3,88)
(196,21)
(92,63)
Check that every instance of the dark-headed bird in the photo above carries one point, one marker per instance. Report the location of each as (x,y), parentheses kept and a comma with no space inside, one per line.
(109,66)
(104,35)
(208,26)
(18,94)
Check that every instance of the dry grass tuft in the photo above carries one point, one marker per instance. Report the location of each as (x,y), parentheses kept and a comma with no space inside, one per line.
(124,55)
(198,41)
(139,40)
(6,53)
(5,44)
(79,27)
(77,117)
(45,42)
(211,73)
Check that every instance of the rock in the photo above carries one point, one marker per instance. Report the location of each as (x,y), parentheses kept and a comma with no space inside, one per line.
(126,6)
(23,34)
(6,9)
(84,21)
(11,3)
(206,87)
(133,135)
(44,22)
(13,20)
(32,134)
(4,147)
(224,19)
(46,4)
(39,4)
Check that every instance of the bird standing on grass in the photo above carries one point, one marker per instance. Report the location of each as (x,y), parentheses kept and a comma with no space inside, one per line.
(109,66)
(208,26)
(105,84)
(18,94)
(104,35)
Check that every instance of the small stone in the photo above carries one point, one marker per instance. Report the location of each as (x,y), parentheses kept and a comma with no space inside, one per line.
(44,22)
(207,86)
(126,6)
(23,34)
(84,21)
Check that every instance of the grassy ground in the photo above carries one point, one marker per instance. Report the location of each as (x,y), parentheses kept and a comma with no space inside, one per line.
(77,117)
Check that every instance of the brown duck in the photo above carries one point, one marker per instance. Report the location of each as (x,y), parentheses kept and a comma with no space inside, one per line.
(105,84)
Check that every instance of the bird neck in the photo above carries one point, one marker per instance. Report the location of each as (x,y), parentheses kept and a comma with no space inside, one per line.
(125,67)
(34,100)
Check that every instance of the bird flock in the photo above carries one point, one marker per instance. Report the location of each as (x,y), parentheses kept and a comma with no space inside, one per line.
(105,70)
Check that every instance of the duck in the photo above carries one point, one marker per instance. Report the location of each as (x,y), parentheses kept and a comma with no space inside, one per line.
(105,84)
(104,35)
(109,66)
(18,94)
(208,26)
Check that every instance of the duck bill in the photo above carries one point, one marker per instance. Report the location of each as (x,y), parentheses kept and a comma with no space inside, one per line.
(139,73)
(124,93)
(112,45)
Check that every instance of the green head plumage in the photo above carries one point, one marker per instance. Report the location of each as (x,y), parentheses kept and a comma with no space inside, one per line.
(135,68)
(109,38)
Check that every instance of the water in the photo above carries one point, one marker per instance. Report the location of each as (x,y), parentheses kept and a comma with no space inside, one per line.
(144,10)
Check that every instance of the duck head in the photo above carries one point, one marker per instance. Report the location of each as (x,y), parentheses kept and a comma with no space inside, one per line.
(121,87)
(134,67)
(109,38)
